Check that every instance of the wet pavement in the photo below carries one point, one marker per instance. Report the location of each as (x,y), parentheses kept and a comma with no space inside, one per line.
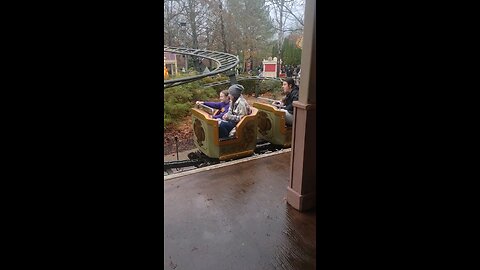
(237,217)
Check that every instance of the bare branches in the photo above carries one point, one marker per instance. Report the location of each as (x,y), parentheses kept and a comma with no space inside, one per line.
(233,26)
(286,7)
(288,29)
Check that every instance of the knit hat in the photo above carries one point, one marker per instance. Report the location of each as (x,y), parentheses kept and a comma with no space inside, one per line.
(235,90)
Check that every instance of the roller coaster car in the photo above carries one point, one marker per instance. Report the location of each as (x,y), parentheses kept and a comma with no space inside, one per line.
(205,130)
(272,126)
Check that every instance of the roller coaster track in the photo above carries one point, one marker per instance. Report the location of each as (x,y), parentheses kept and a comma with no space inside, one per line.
(224,62)
(198,159)
(241,79)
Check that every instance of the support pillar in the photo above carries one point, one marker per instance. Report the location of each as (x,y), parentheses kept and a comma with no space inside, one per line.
(301,190)
(232,77)
(303,169)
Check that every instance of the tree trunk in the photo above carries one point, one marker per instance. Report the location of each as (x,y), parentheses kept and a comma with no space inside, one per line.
(222,28)
(192,17)
(280,36)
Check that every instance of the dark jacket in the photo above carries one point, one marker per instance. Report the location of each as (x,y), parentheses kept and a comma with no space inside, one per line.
(288,100)
(223,108)
(289,72)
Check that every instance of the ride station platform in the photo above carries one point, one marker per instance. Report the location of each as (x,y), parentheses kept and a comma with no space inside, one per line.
(235,216)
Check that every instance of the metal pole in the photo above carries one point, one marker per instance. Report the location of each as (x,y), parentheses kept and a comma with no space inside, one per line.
(183,26)
(176,143)
(231,75)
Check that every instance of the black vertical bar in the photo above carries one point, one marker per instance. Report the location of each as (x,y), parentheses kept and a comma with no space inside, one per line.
(231,75)
(176,143)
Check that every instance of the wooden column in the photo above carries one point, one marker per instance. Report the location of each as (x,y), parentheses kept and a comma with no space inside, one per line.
(301,190)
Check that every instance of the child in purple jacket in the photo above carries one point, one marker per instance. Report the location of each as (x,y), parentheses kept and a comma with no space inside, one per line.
(222,106)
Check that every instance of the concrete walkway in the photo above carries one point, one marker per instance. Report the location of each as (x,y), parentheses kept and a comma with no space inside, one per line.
(237,217)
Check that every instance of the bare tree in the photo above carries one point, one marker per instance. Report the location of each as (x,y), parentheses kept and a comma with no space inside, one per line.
(172,11)
(288,10)
(254,28)
(284,12)
(222,26)
(242,27)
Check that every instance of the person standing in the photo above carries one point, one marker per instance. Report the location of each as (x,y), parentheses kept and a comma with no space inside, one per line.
(289,71)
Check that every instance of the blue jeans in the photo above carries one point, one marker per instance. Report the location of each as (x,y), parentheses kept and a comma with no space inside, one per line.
(224,128)
(288,118)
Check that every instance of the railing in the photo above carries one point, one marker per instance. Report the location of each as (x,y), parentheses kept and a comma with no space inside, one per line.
(224,62)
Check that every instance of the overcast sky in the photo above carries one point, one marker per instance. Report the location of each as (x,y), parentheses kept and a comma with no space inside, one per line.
(291,22)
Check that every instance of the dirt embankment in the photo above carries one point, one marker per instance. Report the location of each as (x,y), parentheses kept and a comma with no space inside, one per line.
(184,133)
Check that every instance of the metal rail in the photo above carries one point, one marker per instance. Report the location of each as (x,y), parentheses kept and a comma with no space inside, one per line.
(201,160)
(181,163)
(273,102)
(224,62)
(206,107)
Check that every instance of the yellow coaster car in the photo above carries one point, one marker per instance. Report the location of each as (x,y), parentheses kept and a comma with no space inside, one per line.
(272,126)
(242,144)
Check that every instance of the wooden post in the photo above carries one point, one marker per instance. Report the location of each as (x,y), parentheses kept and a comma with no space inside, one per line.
(301,190)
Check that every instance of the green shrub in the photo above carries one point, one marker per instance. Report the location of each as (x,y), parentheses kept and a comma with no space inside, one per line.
(207,80)
(249,86)
(270,86)
(219,88)
(179,99)
(255,86)
(202,93)
(167,120)
(220,77)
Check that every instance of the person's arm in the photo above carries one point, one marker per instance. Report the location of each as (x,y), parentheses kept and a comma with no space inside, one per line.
(289,107)
(278,104)
(215,105)
(228,113)
(220,115)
